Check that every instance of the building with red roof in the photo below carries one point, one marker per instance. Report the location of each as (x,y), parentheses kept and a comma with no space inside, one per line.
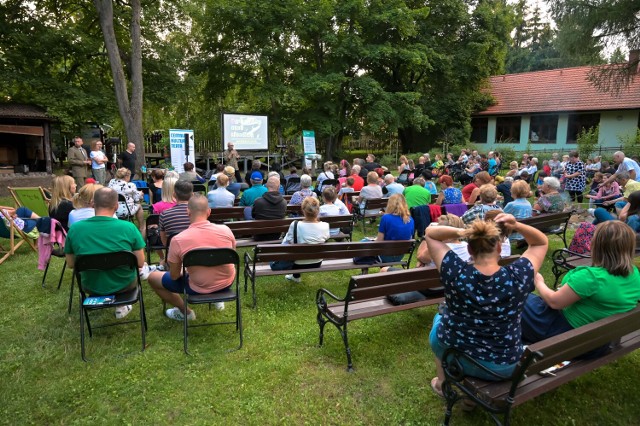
(549,108)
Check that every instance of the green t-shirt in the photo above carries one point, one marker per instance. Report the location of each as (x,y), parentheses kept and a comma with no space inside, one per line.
(417,195)
(101,234)
(601,294)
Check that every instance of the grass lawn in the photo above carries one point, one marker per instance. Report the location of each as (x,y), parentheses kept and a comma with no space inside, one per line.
(280,376)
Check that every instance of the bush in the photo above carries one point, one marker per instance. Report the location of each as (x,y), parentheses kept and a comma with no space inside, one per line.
(631,144)
(587,141)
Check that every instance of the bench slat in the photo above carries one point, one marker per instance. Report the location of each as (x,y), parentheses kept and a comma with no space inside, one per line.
(379,306)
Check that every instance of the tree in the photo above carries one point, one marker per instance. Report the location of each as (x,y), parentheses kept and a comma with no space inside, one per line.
(130,108)
(584,21)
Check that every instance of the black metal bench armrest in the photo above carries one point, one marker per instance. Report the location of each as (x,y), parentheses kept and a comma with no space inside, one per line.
(321,301)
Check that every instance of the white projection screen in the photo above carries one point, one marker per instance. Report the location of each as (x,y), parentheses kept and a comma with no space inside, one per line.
(246,132)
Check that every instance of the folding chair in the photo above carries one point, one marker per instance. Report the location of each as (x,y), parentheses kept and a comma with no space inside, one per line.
(122,199)
(32,198)
(57,251)
(105,262)
(292,185)
(152,220)
(199,187)
(9,232)
(212,257)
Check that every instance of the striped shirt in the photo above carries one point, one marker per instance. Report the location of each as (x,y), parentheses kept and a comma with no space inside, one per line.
(174,220)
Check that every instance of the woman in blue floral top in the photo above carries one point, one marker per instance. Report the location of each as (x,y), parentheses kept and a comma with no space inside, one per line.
(448,194)
(483,300)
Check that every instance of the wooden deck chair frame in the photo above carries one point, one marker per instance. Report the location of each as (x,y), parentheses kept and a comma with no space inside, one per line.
(12,231)
(33,198)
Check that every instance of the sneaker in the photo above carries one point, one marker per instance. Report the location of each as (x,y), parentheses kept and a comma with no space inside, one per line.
(219,306)
(591,211)
(290,277)
(160,268)
(176,314)
(146,270)
(123,311)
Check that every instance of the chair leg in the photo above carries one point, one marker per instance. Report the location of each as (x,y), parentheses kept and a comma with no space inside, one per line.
(143,320)
(44,277)
(186,327)
(64,266)
(82,333)
(239,320)
(73,278)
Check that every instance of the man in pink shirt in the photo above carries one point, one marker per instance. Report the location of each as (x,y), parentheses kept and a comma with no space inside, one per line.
(202,279)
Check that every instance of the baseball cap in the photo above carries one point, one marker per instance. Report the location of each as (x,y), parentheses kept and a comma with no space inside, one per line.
(230,171)
(257,176)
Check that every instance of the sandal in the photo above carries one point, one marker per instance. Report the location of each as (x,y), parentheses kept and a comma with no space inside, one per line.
(434,383)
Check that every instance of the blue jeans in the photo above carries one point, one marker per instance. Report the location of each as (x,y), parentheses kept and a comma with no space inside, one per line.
(469,369)
(602,215)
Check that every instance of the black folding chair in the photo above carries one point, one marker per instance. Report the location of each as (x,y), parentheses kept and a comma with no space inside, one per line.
(58,251)
(106,262)
(122,199)
(292,185)
(212,257)
(152,223)
(199,187)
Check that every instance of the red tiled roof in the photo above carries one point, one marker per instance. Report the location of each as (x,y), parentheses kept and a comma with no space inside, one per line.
(22,111)
(565,89)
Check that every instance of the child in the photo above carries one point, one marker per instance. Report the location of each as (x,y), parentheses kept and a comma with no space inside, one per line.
(597,180)
(609,191)
(546,168)
(520,207)
(539,182)
(344,196)
(428,184)
(332,206)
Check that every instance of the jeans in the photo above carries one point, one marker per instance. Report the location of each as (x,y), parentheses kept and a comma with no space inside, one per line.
(602,215)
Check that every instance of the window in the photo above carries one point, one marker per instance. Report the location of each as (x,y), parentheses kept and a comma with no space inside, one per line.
(508,130)
(578,122)
(479,128)
(543,128)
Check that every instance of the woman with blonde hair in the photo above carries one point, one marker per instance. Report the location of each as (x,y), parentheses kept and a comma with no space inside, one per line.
(404,164)
(168,195)
(63,189)
(307,231)
(459,247)
(588,293)
(513,169)
(483,300)
(83,203)
(98,162)
(131,206)
(396,224)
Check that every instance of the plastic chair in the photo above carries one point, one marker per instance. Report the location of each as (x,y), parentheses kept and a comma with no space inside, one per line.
(212,257)
(105,262)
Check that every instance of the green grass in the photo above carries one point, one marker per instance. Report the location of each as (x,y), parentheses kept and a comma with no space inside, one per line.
(280,376)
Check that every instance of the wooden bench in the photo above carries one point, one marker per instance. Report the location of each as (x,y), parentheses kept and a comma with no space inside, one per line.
(245,231)
(377,204)
(550,224)
(226,214)
(565,260)
(498,398)
(367,297)
(294,210)
(336,257)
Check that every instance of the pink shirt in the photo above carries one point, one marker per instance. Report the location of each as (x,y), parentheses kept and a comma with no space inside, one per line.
(204,234)
(161,206)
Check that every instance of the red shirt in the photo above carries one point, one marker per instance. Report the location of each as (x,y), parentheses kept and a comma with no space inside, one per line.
(467,190)
(358,183)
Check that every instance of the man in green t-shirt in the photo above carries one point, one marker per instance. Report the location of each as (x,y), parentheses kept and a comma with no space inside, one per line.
(105,234)
(417,194)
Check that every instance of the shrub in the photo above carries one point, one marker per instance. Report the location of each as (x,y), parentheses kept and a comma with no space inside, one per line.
(587,141)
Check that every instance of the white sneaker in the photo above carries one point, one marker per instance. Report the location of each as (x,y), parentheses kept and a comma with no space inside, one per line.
(219,306)
(591,211)
(290,277)
(123,311)
(146,270)
(176,314)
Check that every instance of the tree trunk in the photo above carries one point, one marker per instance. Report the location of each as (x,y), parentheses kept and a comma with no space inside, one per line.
(130,109)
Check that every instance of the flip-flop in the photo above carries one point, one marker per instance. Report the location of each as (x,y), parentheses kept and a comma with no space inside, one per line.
(437,391)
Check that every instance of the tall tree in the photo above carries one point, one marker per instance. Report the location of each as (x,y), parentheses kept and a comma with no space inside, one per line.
(130,107)
(582,22)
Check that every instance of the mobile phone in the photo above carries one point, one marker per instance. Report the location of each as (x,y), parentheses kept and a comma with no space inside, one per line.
(553,369)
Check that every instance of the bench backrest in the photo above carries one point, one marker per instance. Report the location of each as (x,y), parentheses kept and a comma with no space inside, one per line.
(295,209)
(571,344)
(225,214)
(343,250)
(250,228)
(547,220)
(376,203)
(383,284)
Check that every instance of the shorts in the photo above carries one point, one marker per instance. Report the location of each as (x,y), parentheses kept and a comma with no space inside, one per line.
(438,348)
(177,286)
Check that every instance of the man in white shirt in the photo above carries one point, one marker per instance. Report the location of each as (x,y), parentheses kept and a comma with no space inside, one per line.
(391,186)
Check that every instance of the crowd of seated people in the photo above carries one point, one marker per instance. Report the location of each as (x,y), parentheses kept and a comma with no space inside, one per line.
(489,310)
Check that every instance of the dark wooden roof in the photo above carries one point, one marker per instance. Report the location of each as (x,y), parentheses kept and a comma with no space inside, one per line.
(23,111)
